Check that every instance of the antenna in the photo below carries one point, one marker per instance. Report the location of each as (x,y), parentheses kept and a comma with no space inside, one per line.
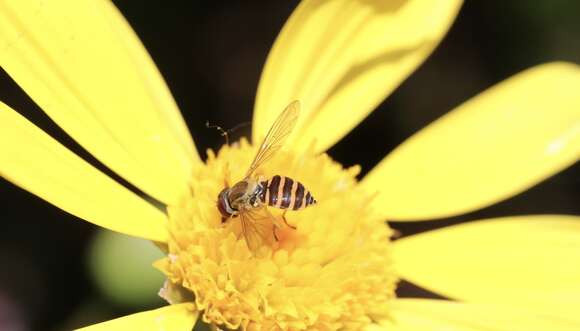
(225,133)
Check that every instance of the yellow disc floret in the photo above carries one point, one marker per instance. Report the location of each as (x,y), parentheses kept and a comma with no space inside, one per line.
(334,272)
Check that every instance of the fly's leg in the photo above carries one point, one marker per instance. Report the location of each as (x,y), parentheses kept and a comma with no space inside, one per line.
(286,221)
(276,226)
(275,234)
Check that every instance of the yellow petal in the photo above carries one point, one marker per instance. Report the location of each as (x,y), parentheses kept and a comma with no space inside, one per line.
(180,317)
(342,58)
(494,146)
(34,161)
(84,66)
(526,260)
(422,315)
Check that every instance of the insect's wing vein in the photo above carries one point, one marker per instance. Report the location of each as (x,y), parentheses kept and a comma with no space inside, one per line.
(257,227)
(276,136)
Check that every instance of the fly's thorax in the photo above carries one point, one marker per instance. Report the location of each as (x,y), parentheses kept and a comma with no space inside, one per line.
(257,195)
(245,194)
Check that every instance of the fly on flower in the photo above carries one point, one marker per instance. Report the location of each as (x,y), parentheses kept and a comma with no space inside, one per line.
(250,197)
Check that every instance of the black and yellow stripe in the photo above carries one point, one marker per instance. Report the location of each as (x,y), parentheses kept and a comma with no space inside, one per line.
(285,193)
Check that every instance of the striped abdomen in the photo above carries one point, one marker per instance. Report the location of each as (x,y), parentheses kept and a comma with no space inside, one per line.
(285,193)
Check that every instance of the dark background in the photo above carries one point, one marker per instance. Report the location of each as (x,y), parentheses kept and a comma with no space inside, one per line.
(211,55)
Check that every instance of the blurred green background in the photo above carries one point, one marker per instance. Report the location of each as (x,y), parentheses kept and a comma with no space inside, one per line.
(58,273)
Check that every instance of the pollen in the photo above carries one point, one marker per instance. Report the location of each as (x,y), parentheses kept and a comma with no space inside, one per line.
(333,272)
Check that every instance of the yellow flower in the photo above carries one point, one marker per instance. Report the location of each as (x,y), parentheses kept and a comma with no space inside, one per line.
(83,65)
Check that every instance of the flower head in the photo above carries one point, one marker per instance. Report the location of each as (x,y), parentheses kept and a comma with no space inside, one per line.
(333,271)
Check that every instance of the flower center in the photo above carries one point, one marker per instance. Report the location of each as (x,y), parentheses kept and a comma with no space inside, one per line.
(333,271)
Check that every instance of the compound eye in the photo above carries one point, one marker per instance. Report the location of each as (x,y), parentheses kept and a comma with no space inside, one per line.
(222,204)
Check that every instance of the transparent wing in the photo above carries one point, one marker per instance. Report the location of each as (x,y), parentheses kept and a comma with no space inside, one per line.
(276,136)
(257,227)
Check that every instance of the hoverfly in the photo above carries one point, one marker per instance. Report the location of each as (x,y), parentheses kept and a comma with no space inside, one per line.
(250,197)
